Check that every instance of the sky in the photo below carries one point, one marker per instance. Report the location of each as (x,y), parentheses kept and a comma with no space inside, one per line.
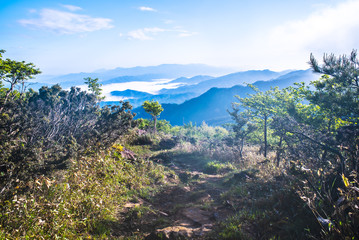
(71,36)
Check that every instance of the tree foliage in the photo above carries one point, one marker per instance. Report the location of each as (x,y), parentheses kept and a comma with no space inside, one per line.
(259,110)
(154,109)
(242,127)
(15,74)
(94,87)
(317,131)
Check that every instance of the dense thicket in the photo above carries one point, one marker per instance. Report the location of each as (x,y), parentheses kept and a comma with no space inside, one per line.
(316,130)
(41,130)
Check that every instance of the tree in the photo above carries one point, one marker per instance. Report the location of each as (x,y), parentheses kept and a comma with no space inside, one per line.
(338,90)
(15,73)
(94,87)
(259,105)
(337,94)
(261,108)
(325,133)
(154,109)
(1,72)
(242,126)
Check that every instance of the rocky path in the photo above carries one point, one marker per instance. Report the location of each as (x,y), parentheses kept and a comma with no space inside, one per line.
(190,209)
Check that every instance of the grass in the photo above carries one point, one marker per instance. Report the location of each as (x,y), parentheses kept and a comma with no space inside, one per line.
(215,167)
(266,203)
(81,202)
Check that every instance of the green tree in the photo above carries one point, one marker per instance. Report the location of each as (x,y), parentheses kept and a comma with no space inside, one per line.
(154,109)
(242,126)
(260,108)
(327,128)
(1,72)
(338,90)
(15,73)
(94,87)
(337,94)
(259,105)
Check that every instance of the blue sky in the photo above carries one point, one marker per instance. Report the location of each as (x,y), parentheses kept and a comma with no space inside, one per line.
(84,36)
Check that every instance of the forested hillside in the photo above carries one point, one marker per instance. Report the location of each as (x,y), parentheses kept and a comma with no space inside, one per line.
(286,167)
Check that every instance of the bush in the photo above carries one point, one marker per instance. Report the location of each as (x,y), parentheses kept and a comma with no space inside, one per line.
(81,202)
(40,131)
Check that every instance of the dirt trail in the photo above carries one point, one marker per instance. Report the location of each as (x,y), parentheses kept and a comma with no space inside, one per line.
(190,209)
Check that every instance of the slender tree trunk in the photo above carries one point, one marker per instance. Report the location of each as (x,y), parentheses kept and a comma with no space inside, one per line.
(155,124)
(241,148)
(265,136)
(279,151)
(324,155)
(6,97)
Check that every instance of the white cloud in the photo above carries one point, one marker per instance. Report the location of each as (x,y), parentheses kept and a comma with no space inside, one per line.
(149,33)
(329,30)
(66,22)
(148,9)
(152,87)
(145,33)
(185,33)
(72,7)
(168,21)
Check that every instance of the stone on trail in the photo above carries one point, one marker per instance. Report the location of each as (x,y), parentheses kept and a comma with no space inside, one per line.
(197,215)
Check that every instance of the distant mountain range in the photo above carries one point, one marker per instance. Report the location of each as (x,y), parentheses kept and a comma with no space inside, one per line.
(136,98)
(203,93)
(164,71)
(195,86)
(230,80)
(212,106)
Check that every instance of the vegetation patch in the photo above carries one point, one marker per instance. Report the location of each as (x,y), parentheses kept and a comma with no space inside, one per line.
(286,168)
(215,167)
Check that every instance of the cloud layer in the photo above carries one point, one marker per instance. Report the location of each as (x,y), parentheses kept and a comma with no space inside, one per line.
(150,33)
(66,22)
(148,9)
(145,33)
(72,7)
(330,28)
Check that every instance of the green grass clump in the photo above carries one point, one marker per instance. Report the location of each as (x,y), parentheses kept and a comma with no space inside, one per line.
(235,226)
(215,167)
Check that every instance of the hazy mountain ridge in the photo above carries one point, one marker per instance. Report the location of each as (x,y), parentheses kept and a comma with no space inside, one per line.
(136,98)
(192,80)
(212,106)
(201,84)
(161,71)
(126,79)
(198,98)
(229,80)
(186,92)
(130,93)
